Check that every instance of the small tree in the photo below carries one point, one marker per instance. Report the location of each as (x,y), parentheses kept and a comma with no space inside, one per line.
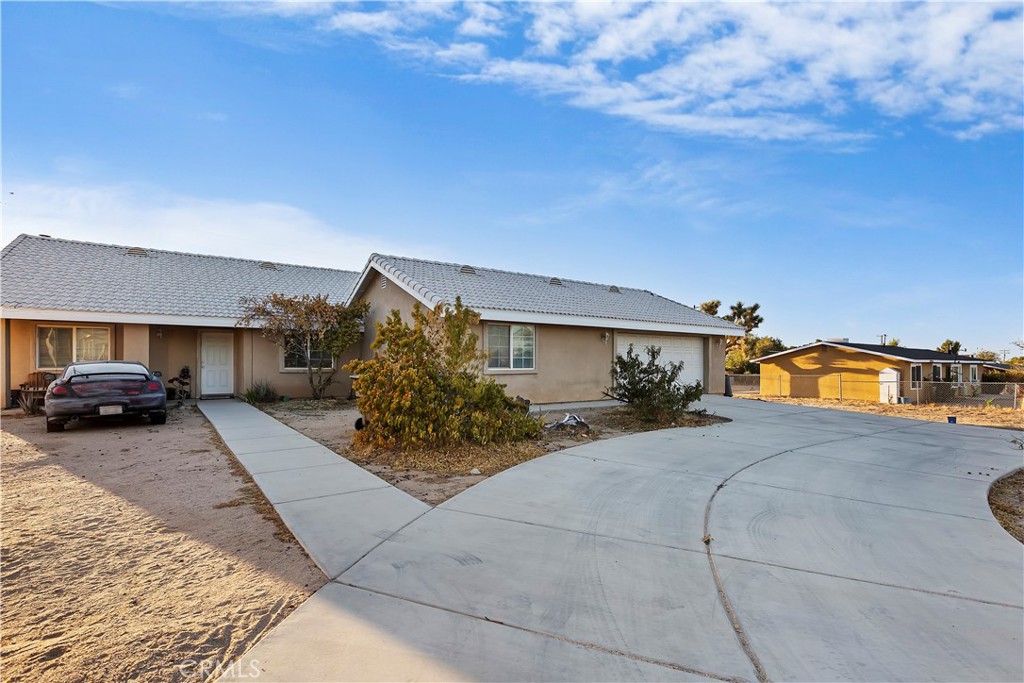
(711,307)
(307,327)
(423,385)
(985,354)
(949,346)
(651,389)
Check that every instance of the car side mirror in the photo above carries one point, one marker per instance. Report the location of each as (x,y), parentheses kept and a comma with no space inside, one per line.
(157,373)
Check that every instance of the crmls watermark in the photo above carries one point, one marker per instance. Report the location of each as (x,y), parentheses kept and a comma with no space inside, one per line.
(209,669)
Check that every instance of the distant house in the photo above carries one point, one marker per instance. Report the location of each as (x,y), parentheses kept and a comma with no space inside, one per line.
(550,339)
(547,339)
(65,301)
(869,372)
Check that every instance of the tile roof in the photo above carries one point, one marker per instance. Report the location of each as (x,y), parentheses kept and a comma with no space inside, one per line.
(500,290)
(65,275)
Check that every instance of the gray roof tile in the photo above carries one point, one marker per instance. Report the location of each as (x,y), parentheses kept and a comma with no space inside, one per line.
(489,289)
(65,275)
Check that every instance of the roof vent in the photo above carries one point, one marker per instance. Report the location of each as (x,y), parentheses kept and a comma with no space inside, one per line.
(841,340)
(467,270)
(267,265)
(555,281)
(137,251)
(614,290)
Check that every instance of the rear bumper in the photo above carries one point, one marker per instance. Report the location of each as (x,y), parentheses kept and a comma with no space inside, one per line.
(90,407)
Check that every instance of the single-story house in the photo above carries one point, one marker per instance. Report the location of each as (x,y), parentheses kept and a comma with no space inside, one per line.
(547,339)
(550,339)
(838,368)
(64,300)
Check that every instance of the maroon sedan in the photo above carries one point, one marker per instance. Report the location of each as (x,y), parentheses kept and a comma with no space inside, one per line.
(104,389)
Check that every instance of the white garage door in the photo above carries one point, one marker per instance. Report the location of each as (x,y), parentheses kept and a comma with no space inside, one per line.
(686,350)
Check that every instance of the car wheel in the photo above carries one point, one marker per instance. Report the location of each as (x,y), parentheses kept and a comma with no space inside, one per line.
(54,426)
(158,418)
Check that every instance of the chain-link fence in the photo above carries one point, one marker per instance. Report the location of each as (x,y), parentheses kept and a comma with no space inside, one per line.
(836,386)
(746,384)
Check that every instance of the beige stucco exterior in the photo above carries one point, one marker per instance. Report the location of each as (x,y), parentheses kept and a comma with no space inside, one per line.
(823,371)
(168,349)
(572,363)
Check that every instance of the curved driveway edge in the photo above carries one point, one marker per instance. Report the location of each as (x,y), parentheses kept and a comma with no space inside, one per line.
(849,546)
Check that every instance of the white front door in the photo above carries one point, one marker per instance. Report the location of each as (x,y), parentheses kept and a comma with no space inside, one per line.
(889,386)
(216,375)
(686,350)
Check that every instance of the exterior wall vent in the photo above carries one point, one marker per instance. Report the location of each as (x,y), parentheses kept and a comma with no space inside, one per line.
(267,265)
(383,282)
(614,290)
(467,270)
(555,281)
(137,251)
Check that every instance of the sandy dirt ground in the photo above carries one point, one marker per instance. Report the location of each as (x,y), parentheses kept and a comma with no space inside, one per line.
(133,552)
(1006,498)
(985,417)
(434,476)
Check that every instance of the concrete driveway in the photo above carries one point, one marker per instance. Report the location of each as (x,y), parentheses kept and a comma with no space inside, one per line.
(844,546)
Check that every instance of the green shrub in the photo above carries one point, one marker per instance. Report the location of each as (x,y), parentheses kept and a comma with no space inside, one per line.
(423,386)
(650,389)
(261,391)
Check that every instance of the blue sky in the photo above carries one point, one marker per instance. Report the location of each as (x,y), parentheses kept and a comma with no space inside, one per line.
(855,169)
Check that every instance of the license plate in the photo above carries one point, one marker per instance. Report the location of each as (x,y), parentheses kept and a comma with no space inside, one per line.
(111,410)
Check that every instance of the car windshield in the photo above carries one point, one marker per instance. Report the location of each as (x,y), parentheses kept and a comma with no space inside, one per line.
(105,369)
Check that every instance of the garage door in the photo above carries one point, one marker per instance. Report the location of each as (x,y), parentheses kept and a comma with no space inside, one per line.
(686,350)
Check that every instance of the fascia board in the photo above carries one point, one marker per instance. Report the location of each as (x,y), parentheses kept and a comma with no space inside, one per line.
(492,315)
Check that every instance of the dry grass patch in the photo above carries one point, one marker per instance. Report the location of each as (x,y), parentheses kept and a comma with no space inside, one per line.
(434,475)
(1006,498)
(930,412)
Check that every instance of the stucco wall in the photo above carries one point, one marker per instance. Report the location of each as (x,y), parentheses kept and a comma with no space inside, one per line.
(572,364)
(382,302)
(257,358)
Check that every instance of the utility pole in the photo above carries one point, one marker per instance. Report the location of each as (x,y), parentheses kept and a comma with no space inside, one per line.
(1004,352)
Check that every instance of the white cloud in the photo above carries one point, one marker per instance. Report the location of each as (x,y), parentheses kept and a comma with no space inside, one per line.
(125,90)
(214,116)
(142,215)
(791,71)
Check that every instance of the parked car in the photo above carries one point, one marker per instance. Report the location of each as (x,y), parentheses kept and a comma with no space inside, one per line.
(103,389)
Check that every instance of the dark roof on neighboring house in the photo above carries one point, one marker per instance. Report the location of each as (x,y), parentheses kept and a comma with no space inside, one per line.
(45,273)
(898,352)
(506,295)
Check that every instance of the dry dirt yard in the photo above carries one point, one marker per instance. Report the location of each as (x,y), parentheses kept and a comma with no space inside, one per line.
(133,552)
(434,476)
(985,417)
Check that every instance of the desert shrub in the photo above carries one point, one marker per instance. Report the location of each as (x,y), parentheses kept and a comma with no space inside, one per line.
(423,386)
(651,390)
(261,391)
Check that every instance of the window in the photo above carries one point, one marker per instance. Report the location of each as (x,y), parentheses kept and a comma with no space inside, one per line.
(915,376)
(295,356)
(57,347)
(956,373)
(936,372)
(973,373)
(510,347)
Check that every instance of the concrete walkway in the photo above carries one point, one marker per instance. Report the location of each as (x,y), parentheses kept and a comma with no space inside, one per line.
(844,546)
(336,510)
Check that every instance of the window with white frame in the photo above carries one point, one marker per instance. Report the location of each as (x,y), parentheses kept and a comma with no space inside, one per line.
(511,347)
(956,373)
(915,376)
(58,346)
(296,352)
(973,373)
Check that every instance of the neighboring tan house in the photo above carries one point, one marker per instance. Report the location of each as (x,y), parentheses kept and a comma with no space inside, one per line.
(65,300)
(868,372)
(550,339)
